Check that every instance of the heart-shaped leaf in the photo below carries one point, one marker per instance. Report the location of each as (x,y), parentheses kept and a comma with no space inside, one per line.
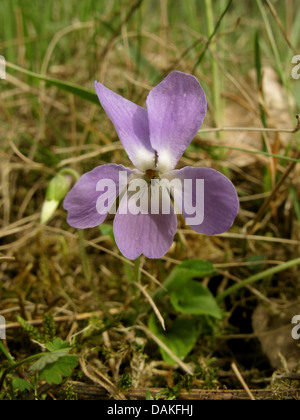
(180,337)
(195,299)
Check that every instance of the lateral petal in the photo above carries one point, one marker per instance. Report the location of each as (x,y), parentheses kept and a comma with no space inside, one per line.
(206,198)
(85,202)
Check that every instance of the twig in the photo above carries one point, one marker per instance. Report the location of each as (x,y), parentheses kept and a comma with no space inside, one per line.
(109,43)
(98,378)
(150,300)
(274,13)
(63,318)
(247,237)
(281,180)
(212,36)
(90,155)
(256,129)
(7,259)
(241,379)
(149,333)
(88,391)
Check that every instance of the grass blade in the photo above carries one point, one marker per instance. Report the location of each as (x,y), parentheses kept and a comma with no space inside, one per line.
(76,90)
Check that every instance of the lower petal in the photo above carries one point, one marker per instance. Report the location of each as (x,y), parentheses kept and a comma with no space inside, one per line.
(85,202)
(148,234)
(206,198)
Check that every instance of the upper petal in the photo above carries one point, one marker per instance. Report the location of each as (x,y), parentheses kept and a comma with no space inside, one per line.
(148,234)
(83,202)
(207,199)
(176,109)
(131,124)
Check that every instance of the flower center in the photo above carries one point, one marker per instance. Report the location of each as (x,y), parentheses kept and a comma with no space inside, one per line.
(150,173)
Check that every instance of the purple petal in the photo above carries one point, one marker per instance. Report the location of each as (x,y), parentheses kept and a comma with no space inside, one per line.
(131,124)
(176,109)
(88,202)
(211,212)
(148,234)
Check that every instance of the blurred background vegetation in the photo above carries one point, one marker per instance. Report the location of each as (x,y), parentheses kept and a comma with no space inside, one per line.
(72,285)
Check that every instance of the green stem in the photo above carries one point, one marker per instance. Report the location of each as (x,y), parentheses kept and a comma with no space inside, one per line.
(211,36)
(77,90)
(271,38)
(16,365)
(257,152)
(214,67)
(71,172)
(5,352)
(274,48)
(256,277)
(84,258)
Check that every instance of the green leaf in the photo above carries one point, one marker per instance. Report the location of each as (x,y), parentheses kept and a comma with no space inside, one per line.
(256,259)
(125,382)
(201,268)
(76,90)
(53,372)
(21,384)
(180,337)
(195,299)
(178,278)
(107,230)
(48,358)
(148,395)
(56,362)
(57,344)
(185,271)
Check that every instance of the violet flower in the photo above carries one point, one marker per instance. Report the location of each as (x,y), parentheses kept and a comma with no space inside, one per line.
(154,139)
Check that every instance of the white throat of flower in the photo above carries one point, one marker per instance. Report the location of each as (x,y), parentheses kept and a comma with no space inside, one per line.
(161,162)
